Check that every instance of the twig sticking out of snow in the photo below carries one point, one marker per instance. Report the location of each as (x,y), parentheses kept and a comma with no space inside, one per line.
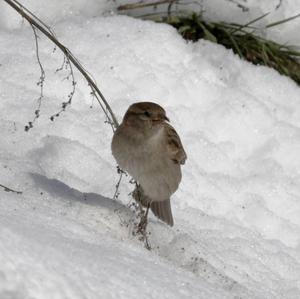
(6,189)
(140,224)
(39,25)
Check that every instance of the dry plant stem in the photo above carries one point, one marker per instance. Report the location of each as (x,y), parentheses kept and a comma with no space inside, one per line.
(141,5)
(239,5)
(6,189)
(279,4)
(66,63)
(34,21)
(120,172)
(170,7)
(170,2)
(62,65)
(144,221)
(39,83)
(141,228)
(42,77)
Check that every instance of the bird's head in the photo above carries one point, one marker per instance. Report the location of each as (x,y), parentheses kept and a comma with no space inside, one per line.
(145,115)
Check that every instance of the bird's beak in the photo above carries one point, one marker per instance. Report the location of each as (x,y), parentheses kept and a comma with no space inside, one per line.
(160,119)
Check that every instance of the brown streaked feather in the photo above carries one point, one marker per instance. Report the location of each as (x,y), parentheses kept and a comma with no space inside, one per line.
(174,146)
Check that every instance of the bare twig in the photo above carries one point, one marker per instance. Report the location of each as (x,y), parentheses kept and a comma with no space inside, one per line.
(140,227)
(39,83)
(64,105)
(42,27)
(62,65)
(239,5)
(239,27)
(279,4)
(170,7)
(139,4)
(142,5)
(283,21)
(7,189)
(120,172)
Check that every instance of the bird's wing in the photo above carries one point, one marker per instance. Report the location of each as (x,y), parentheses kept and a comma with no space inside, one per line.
(174,145)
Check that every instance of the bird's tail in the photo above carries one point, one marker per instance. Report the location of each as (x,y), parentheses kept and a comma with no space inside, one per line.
(162,210)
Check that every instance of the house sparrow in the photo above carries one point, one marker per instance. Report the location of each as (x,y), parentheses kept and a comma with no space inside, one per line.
(150,150)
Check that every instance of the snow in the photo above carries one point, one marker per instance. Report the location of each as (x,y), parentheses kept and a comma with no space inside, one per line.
(237,211)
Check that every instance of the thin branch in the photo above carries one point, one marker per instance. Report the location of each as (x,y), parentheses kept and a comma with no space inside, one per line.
(34,21)
(7,189)
(170,7)
(283,21)
(239,27)
(64,105)
(120,172)
(142,5)
(279,4)
(34,16)
(239,5)
(62,65)
(39,83)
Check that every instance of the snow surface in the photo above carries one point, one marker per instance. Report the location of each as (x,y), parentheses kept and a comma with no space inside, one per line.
(237,212)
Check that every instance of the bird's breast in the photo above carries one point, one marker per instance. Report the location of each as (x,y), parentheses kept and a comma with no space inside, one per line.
(137,154)
(146,160)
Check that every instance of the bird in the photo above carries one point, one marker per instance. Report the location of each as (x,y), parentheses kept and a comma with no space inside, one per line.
(147,147)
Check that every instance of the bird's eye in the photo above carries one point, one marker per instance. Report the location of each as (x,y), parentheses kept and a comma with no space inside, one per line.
(147,113)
